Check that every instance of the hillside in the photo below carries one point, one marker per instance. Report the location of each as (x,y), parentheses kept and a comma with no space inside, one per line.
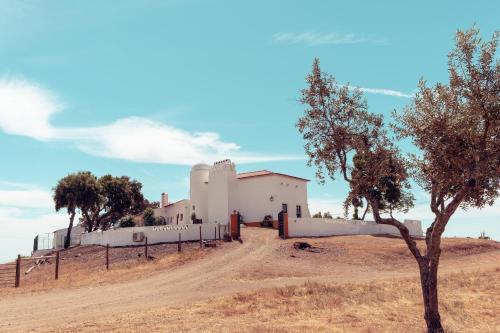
(360,283)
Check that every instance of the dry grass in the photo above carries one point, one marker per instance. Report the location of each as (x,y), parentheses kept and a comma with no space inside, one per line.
(469,303)
(85,266)
(364,253)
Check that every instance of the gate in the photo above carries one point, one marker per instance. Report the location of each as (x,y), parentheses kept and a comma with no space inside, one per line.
(8,275)
(235,225)
(283,225)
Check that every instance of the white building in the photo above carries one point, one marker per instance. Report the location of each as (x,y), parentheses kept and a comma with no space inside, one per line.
(217,190)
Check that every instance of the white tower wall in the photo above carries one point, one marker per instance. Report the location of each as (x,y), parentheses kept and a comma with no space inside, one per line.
(222,183)
(198,190)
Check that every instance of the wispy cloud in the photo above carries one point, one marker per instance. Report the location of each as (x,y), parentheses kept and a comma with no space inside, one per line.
(387,92)
(26,109)
(25,211)
(318,38)
(382,91)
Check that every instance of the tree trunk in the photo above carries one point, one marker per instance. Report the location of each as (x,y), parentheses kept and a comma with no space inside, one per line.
(366,210)
(428,280)
(67,241)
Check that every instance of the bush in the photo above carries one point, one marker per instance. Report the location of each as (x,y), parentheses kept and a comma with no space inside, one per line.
(267,222)
(160,220)
(126,222)
(149,217)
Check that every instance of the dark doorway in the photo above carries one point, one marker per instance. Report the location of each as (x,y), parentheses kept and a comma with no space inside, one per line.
(281,224)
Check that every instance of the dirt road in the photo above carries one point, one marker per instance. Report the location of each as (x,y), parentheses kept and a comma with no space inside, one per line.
(261,261)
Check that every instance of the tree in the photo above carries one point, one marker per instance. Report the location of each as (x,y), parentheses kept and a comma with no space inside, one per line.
(118,197)
(456,128)
(160,220)
(126,222)
(317,215)
(74,192)
(327,215)
(149,217)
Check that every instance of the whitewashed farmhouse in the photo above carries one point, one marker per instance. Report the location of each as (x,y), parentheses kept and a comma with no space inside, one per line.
(217,190)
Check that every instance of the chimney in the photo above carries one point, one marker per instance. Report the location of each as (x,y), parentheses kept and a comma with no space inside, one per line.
(164,199)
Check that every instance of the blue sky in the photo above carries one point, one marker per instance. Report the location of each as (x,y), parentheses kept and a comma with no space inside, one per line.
(146,88)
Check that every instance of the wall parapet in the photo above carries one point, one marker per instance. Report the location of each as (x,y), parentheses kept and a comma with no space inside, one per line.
(154,234)
(313,227)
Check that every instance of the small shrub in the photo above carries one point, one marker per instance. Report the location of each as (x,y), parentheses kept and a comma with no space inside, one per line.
(149,217)
(126,222)
(160,220)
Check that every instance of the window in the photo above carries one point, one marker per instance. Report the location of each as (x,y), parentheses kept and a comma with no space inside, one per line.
(182,216)
(298,211)
(284,207)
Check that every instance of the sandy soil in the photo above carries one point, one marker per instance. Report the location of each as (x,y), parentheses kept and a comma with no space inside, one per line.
(261,261)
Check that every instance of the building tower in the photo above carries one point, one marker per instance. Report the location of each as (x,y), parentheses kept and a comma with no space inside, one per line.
(221,188)
(198,191)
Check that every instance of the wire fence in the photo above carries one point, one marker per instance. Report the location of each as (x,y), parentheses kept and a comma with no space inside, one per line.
(8,275)
(15,274)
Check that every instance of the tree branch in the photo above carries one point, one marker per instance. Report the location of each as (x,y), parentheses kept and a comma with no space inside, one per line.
(403,230)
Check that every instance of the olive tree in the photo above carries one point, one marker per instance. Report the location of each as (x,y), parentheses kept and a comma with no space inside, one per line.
(118,197)
(77,191)
(454,125)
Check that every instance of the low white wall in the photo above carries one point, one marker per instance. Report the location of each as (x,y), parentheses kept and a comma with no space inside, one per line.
(314,227)
(156,234)
(60,236)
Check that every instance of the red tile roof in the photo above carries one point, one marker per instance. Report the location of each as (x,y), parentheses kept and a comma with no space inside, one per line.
(265,173)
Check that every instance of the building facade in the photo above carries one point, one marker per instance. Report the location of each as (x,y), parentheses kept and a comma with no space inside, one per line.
(217,190)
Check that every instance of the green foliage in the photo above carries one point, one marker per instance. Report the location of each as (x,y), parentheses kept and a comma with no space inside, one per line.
(317,215)
(160,220)
(74,192)
(149,217)
(101,201)
(126,222)
(325,215)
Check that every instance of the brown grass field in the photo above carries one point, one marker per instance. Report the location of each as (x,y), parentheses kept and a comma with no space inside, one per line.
(348,284)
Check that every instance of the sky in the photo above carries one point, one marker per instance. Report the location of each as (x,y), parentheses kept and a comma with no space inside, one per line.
(148,88)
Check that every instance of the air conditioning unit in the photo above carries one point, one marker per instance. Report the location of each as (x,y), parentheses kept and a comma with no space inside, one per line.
(138,237)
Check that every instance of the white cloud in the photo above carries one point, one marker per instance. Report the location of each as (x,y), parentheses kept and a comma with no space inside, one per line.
(26,108)
(19,229)
(25,211)
(317,38)
(387,92)
(382,91)
(33,198)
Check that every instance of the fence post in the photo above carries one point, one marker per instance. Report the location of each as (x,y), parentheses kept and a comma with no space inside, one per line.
(219,232)
(57,265)
(215,234)
(200,236)
(107,257)
(179,243)
(18,270)
(146,249)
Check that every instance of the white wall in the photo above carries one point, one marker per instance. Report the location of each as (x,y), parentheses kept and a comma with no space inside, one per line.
(198,190)
(60,235)
(313,227)
(253,196)
(156,234)
(170,212)
(221,190)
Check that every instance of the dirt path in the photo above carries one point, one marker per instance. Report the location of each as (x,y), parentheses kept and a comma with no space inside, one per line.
(257,263)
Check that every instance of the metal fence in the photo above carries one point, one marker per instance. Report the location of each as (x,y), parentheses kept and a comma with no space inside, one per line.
(8,275)
(43,242)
